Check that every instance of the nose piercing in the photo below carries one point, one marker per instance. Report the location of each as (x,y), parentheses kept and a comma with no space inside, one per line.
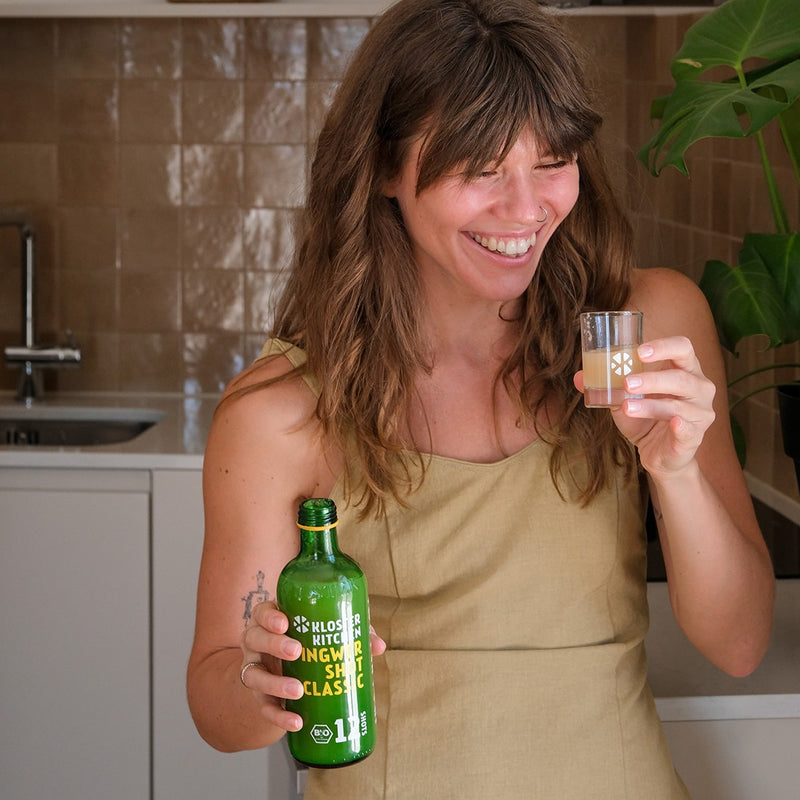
(544,218)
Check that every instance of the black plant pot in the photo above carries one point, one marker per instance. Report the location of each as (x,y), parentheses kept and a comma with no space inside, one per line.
(789,407)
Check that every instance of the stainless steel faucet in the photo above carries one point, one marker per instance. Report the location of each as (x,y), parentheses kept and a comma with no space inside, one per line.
(29,356)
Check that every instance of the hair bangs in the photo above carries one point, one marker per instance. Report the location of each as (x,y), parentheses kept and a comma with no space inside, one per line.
(481,110)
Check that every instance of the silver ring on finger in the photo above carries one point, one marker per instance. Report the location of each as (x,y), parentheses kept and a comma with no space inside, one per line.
(246,667)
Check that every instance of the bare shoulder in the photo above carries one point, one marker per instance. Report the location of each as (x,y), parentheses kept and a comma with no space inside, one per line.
(265,424)
(672,304)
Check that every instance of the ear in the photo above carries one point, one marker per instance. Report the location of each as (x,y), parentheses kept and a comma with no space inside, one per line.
(389,188)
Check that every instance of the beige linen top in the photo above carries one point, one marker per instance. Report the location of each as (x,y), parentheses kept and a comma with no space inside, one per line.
(514,621)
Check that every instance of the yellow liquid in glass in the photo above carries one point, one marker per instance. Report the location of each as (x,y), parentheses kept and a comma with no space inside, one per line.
(604,372)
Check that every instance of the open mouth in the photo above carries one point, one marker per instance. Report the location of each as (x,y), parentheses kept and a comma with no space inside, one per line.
(511,246)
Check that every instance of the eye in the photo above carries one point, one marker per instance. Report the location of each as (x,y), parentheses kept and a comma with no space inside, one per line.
(557,163)
(560,164)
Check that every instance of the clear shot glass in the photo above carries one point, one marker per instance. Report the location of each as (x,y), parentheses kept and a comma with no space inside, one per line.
(609,340)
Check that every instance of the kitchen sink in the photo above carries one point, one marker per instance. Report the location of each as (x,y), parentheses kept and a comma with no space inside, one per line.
(48,425)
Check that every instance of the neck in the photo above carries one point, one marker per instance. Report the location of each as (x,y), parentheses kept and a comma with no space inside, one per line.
(475,335)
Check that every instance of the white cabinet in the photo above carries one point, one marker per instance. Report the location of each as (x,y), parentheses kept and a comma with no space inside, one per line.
(74,627)
(737,759)
(98,578)
(184,766)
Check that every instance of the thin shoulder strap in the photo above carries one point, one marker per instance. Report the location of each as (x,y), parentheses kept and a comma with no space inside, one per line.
(295,355)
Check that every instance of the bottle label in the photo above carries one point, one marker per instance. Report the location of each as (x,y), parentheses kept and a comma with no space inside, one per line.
(336,646)
(335,669)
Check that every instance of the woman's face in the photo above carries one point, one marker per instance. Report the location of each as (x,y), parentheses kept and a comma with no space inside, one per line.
(481,239)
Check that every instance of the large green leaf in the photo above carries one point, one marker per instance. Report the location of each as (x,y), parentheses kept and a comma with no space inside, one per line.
(736,31)
(697,110)
(759,296)
(780,255)
(741,103)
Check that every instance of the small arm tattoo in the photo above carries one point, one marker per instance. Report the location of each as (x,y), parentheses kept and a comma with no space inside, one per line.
(254,597)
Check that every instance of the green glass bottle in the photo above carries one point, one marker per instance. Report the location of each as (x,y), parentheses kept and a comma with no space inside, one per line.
(324,594)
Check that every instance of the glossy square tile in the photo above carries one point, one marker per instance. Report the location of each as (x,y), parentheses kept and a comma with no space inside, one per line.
(275,112)
(150,111)
(149,362)
(276,49)
(87,239)
(150,240)
(27,111)
(274,176)
(29,174)
(213,300)
(262,290)
(213,112)
(213,48)
(88,110)
(89,301)
(212,175)
(27,49)
(88,174)
(150,175)
(149,302)
(331,44)
(150,48)
(269,239)
(210,361)
(87,48)
(212,238)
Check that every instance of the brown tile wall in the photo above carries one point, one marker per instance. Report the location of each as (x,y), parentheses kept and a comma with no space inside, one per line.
(165,159)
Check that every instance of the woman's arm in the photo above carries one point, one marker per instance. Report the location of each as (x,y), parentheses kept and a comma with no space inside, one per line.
(264,455)
(718,569)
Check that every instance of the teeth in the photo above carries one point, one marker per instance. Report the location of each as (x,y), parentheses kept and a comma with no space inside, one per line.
(509,247)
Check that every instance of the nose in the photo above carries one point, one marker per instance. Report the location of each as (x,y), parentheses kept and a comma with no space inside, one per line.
(520,200)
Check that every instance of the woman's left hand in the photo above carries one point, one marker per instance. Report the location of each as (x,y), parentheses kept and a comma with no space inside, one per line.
(668,424)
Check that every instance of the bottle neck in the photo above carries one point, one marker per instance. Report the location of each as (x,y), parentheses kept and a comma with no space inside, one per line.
(320,544)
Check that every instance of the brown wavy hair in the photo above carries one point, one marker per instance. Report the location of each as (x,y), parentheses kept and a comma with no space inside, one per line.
(469,76)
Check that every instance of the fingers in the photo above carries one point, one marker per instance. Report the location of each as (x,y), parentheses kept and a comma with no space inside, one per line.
(266,633)
(271,690)
(677,349)
(264,645)
(258,677)
(668,390)
(669,420)
(376,645)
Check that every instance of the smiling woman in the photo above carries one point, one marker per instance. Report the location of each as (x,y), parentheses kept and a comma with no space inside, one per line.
(424,374)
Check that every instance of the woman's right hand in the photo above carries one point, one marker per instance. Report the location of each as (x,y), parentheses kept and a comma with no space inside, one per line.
(265,642)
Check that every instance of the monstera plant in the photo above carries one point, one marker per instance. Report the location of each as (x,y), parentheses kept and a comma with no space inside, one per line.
(737,72)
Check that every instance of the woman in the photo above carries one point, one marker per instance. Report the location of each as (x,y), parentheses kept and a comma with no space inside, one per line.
(424,371)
